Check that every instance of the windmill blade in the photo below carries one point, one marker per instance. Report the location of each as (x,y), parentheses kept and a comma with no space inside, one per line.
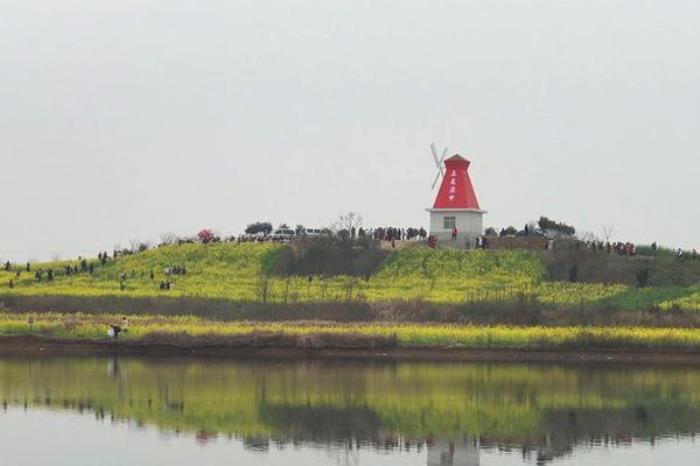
(444,154)
(438,163)
(435,155)
(437,177)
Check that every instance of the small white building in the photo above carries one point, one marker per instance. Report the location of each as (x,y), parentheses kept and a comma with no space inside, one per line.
(456,205)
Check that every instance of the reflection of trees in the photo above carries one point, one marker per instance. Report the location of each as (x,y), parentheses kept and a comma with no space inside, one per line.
(541,410)
(323,423)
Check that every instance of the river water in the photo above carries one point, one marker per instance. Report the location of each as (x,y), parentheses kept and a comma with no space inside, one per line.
(166,411)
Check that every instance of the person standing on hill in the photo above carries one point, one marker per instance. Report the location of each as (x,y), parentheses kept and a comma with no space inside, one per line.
(454,232)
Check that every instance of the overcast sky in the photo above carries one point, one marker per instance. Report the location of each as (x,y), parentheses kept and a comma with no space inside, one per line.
(127,119)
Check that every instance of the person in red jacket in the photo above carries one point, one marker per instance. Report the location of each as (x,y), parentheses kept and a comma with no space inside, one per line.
(454,233)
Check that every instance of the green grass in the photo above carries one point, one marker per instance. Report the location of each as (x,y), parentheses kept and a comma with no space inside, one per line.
(241,273)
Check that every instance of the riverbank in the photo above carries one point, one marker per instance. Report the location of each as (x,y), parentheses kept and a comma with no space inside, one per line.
(36,346)
(178,335)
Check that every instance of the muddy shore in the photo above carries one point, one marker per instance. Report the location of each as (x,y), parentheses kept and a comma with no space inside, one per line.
(46,347)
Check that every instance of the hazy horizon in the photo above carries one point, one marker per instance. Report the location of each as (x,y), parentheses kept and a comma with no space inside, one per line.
(125,120)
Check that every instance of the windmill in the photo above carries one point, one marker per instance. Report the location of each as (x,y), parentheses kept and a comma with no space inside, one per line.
(455,214)
(438,163)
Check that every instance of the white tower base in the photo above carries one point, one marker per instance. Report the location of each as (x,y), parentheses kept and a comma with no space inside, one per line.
(469,223)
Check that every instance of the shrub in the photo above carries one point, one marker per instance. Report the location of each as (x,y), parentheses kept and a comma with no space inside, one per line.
(547,224)
(259,227)
(642,278)
(205,235)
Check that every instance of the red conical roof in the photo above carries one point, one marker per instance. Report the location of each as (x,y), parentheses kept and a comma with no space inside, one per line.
(456,190)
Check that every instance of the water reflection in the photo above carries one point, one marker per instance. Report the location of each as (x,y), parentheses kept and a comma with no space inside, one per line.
(450,413)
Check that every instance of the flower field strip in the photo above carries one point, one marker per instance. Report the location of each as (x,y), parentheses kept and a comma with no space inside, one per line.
(406,335)
(689,301)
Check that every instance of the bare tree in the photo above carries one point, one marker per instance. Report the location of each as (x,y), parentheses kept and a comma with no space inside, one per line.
(347,225)
(168,238)
(347,222)
(608,231)
(588,236)
(138,245)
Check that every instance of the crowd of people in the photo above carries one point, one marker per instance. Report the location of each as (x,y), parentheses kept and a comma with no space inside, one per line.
(619,248)
(377,234)
(83,266)
(394,233)
(630,249)
(681,255)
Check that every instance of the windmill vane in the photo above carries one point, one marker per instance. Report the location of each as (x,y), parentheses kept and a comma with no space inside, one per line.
(438,163)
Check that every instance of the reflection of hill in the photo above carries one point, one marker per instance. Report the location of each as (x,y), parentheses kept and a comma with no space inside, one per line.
(323,423)
(545,408)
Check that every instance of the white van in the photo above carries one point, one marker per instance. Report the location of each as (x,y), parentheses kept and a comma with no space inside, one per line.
(312,232)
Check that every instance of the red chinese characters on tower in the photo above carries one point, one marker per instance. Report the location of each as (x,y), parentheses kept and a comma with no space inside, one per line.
(456,190)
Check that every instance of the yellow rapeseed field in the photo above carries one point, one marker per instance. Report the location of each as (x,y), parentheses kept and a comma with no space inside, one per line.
(95,326)
(241,273)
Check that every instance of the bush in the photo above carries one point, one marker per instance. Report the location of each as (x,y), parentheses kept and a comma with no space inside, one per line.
(642,278)
(329,256)
(259,227)
(205,235)
(573,273)
(547,224)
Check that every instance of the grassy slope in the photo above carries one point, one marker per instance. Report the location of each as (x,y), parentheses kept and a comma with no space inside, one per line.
(237,272)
